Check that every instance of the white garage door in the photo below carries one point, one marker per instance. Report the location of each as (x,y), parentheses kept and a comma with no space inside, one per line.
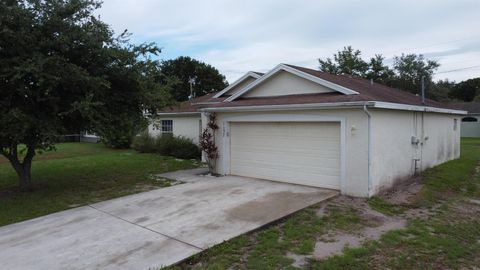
(306,153)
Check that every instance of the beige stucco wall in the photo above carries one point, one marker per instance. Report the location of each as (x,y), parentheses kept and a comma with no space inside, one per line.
(355,180)
(239,86)
(285,83)
(471,129)
(393,153)
(187,126)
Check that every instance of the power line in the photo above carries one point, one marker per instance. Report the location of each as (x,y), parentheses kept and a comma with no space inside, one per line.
(431,45)
(458,69)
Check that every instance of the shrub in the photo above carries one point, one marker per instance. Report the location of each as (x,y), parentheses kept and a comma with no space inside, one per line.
(185,148)
(144,143)
(167,145)
(123,133)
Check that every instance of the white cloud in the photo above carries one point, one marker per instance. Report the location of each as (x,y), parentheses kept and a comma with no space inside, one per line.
(237,36)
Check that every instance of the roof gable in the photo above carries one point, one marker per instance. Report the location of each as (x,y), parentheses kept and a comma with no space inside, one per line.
(239,84)
(284,83)
(314,84)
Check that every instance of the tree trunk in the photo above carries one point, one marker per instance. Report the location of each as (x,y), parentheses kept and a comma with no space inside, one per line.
(24,168)
(24,175)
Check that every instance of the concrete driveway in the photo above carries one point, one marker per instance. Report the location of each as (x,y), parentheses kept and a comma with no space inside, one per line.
(152,229)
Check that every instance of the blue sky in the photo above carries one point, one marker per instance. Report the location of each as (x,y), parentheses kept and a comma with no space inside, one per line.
(238,36)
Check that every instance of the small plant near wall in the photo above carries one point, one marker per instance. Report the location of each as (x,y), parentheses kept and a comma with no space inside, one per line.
(207,143)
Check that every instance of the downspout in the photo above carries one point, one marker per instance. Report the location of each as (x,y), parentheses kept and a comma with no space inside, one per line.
(369,116)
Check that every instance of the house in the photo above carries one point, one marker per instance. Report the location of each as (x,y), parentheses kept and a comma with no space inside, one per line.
(184,119)
(180,120)
(470,126)
(306,127)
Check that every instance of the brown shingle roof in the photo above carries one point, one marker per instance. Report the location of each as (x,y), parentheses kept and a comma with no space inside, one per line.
(187,106)
(470,107)
(367,91)
(371,91)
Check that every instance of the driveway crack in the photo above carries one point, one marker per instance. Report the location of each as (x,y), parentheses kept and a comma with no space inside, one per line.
(146,228)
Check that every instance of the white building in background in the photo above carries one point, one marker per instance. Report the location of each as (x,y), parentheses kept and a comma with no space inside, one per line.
(471,121)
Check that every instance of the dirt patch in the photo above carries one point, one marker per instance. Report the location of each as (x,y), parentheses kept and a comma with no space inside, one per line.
(404,191)
(378,224)
(298,260)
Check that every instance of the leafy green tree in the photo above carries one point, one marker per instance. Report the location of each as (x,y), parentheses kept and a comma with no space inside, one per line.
(440,90)
(348,62)
(378,71)
(61,70)
(466,90)
(206,78)
(410,68)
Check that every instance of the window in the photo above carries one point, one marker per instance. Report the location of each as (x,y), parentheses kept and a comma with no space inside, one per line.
(167,126)
(469,119)
(455,124)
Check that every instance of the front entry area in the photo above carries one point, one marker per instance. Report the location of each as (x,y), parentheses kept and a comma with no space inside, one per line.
(305,153)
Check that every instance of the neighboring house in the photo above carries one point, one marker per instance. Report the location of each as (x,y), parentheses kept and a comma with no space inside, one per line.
(185,119)
(470,122)
(307,127)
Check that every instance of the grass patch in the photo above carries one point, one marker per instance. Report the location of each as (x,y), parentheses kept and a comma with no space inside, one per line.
(384,207)
(453,178)
(450,239)
(79,174)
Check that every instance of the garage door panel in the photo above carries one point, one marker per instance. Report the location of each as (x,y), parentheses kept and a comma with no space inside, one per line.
(316,145)
(301,153)
(309,163)
(310,179)
(311,153)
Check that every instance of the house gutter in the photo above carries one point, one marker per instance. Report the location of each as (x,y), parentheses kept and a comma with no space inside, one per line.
(369,151)
(174,114)
(288,107)
(333,105)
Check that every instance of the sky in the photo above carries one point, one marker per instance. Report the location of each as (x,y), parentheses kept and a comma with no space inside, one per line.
(243,35)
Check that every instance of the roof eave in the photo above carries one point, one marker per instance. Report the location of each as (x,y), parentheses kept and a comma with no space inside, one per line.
(176,114)
(235,83)
(334,105)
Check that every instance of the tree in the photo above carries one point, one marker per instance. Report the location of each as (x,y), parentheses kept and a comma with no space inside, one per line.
(466,90)
(207,78)
(61,69)
(348,62)
(410,69)
(440,90)
(378,71)
(406,74)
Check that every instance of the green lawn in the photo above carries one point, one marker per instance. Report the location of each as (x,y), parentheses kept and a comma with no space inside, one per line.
(448,238)
(78,174)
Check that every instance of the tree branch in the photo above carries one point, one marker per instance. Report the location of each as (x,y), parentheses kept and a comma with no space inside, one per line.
(30,153)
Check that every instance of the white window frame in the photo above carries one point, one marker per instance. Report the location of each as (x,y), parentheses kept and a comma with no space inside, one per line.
(166,126)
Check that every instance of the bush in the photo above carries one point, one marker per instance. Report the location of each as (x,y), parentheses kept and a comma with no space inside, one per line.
(167,145)
(144,143)
(185,148)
